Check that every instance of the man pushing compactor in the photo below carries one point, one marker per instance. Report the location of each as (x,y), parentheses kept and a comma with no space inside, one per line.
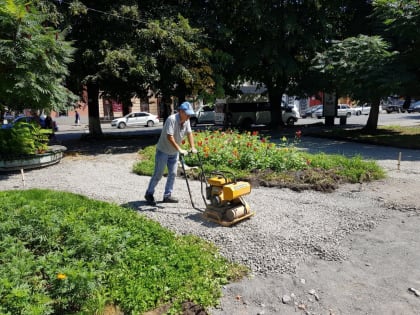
(168,149)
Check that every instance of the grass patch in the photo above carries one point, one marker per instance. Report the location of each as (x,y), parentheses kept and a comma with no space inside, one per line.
(255,158)
(63,253)
(396,136)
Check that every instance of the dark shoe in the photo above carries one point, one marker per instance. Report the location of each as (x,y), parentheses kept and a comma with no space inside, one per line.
(150,200)
(170,199)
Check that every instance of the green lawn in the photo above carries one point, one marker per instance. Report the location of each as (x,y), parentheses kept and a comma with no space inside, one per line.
(63,253)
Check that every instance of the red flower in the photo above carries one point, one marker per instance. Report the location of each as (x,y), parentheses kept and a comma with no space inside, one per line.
(183,141)
(298,133)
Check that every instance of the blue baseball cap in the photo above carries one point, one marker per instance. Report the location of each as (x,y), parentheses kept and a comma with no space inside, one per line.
(187,108)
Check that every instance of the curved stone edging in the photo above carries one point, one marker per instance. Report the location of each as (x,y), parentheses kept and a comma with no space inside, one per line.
(53,155)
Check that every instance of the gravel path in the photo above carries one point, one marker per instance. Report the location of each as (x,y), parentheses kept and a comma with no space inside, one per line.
(305,249)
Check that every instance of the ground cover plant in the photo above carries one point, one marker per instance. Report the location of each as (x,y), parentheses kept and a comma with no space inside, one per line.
(63,253)
(263,161)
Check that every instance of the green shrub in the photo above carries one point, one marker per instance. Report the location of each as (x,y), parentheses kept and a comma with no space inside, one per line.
(66,254)
(243,153)
(23,139)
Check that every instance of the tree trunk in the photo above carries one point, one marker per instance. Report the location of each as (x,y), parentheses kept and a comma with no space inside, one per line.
(93,109)
(372,122)
(407,102)
(275,97)
(127,105)
(165,107)
(181,93)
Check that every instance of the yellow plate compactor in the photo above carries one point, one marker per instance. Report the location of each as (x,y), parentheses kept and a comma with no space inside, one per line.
(223,196)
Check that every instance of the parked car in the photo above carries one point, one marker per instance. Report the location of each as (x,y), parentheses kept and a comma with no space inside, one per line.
(319,112)
(18,119)
(204,115)
(344,110)
(135,120)
(394,106)
(8,117)
(247,114)
(389,108)
(362,109)
(27,119)
(414,107)
(290,114)
(309,112)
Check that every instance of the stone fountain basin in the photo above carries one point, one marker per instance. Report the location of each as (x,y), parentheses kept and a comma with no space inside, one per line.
(53,155)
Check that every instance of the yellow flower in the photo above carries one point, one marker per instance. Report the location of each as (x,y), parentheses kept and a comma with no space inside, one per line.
(284,139)
(61,276)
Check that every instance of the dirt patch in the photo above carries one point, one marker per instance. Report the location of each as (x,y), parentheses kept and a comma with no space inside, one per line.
(315,179)
(309,179)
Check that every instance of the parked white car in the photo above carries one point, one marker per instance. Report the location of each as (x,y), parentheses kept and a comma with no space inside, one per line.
(204,115)
(362,109)
(135,120)
(344,110)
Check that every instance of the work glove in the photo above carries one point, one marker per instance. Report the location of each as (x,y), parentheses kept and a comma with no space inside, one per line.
(183,152)
(194,150)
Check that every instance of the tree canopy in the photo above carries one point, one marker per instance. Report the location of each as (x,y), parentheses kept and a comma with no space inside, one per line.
(361,67)
(180,56)
(190,48)
(271,42)
(33,59)
(400,22)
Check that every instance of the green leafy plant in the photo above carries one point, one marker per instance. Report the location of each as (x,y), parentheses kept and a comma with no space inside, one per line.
(23,139)
(66,254)
(33,59)
(246,154)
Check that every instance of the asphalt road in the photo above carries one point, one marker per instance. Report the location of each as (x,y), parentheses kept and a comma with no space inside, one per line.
(399,119)
(68,130)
